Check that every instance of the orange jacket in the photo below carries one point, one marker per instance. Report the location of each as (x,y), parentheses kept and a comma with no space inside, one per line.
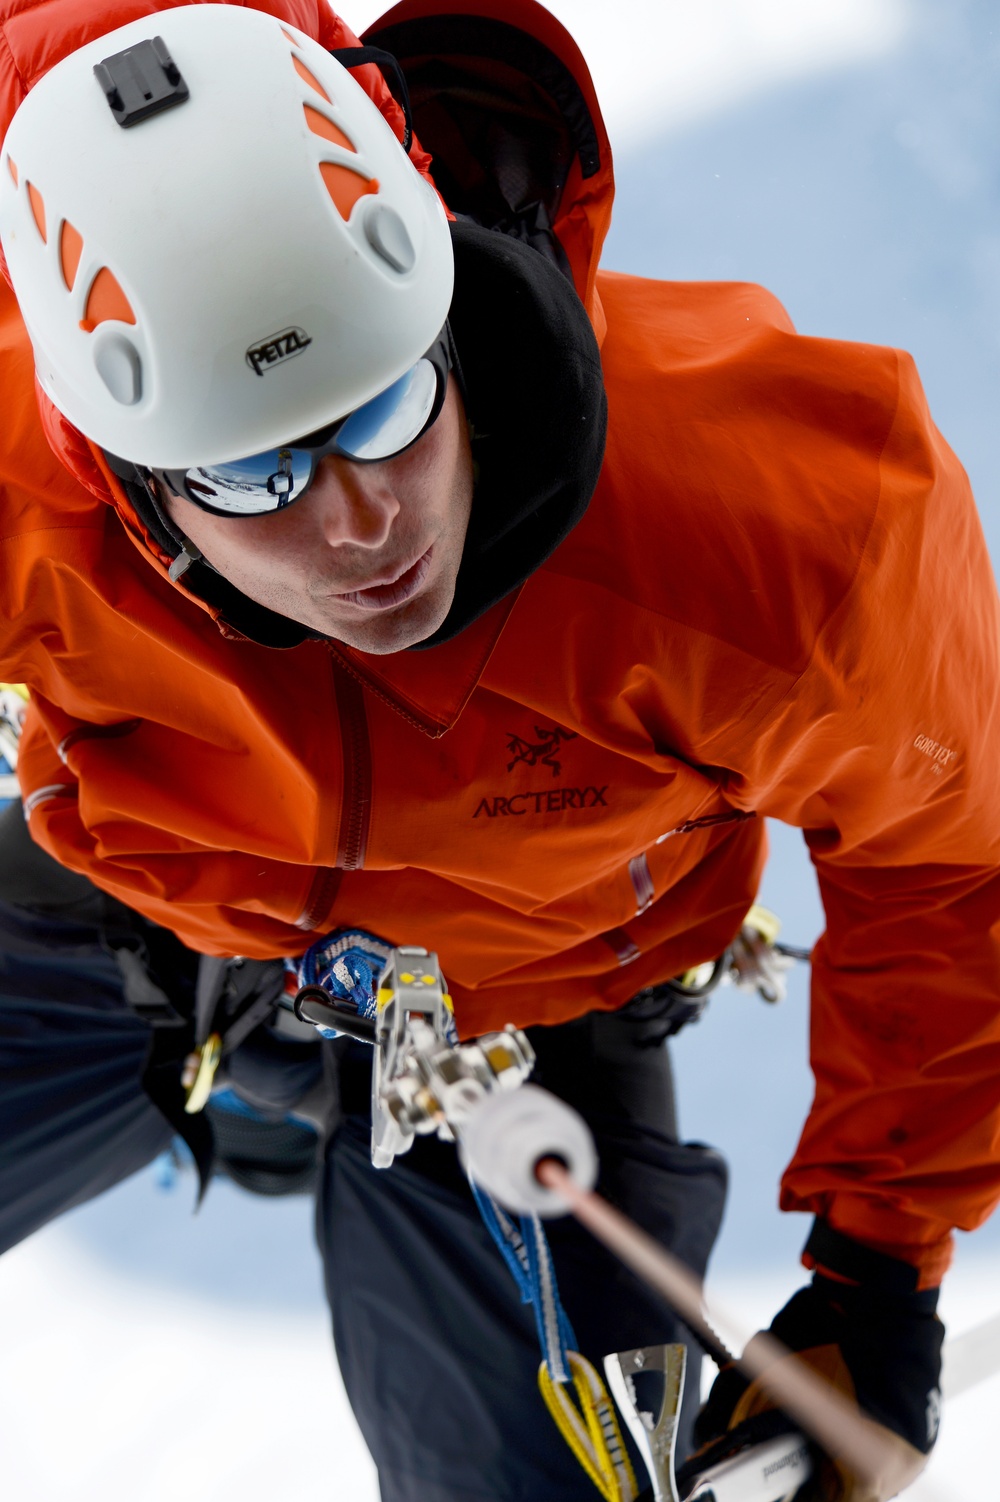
(779,603)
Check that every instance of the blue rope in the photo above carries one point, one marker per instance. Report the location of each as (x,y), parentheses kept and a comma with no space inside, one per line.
(508,1239)
(347,964)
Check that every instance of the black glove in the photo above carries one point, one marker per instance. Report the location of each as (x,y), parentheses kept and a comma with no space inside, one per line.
(877,1339)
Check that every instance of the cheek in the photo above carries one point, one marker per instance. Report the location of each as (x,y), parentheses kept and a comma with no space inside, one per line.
(443,456)
(245,551)
(454,479)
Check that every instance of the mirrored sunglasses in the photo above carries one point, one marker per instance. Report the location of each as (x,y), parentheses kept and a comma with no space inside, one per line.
(380,429)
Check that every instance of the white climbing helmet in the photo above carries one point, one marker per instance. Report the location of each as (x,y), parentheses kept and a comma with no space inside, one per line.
(216,240)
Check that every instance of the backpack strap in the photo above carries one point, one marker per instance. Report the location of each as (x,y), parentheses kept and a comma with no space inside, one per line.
(357,57)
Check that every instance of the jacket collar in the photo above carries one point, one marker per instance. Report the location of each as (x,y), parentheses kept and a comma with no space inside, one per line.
(431,688)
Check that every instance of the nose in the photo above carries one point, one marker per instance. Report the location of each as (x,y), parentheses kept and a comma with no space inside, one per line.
(353,503)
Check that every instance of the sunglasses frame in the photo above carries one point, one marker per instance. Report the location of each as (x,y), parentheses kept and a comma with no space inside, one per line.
(323,441)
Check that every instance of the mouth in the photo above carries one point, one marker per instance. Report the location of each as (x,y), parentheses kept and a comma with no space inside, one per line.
(387,593)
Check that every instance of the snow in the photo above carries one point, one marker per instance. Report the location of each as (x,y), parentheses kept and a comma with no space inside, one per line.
(195,1360)
(118,1389)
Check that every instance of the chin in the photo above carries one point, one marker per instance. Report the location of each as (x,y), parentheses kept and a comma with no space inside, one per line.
(392,630)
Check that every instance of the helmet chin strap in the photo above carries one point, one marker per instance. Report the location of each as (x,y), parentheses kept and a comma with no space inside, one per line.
(189,552)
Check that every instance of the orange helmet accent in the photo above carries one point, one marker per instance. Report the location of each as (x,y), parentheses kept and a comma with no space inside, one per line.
(321,126)
(13,170)
(38,210)
(70,248)
(345,186)
(106,301)
(304,74)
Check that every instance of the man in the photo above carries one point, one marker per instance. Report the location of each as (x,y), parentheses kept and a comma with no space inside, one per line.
(492,615)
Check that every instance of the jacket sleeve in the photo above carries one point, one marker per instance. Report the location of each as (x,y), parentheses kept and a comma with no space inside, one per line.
(885,752)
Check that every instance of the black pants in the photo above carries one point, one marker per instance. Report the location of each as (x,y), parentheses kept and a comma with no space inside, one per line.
(438,1355)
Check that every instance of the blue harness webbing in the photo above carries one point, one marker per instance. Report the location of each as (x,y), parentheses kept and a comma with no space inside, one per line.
(525,1249)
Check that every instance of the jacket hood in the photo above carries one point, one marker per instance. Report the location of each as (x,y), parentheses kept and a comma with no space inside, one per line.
(504,102)
(501,96)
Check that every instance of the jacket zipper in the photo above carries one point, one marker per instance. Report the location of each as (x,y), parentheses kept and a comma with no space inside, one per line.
(95,733)
(619,939)
(320,899)
(638,866)
(731,816)
(356,803)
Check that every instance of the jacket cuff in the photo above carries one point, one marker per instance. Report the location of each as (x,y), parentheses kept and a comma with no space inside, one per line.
(922,1240)
(831,1252)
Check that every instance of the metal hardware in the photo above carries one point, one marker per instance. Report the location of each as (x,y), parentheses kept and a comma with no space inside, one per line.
(314,1004)
(199,1072)
(424,1080)
(756,962)
(655,1435)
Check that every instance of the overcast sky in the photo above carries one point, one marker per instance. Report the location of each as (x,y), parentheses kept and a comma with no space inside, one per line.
(662,64)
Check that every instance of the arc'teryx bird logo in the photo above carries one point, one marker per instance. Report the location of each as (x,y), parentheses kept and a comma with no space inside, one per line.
(276,348)
(543,749)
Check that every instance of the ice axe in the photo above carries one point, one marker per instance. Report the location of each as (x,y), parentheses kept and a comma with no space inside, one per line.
(769,1472)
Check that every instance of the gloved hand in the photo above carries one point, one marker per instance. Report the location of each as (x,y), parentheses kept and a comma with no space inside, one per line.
(876,1338)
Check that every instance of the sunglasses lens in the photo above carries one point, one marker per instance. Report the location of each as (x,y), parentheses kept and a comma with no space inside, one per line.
(265,482)
(393,419)
(246,487)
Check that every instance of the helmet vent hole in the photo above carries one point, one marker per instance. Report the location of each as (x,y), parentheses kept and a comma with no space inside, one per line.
(308,78)
(70,249)
(387,234)
(38,210)
(106,301)
(321,126)
(12,169)
(120,368)
(345,186)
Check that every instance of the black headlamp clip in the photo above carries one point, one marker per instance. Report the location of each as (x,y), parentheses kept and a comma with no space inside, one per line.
(141,81)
